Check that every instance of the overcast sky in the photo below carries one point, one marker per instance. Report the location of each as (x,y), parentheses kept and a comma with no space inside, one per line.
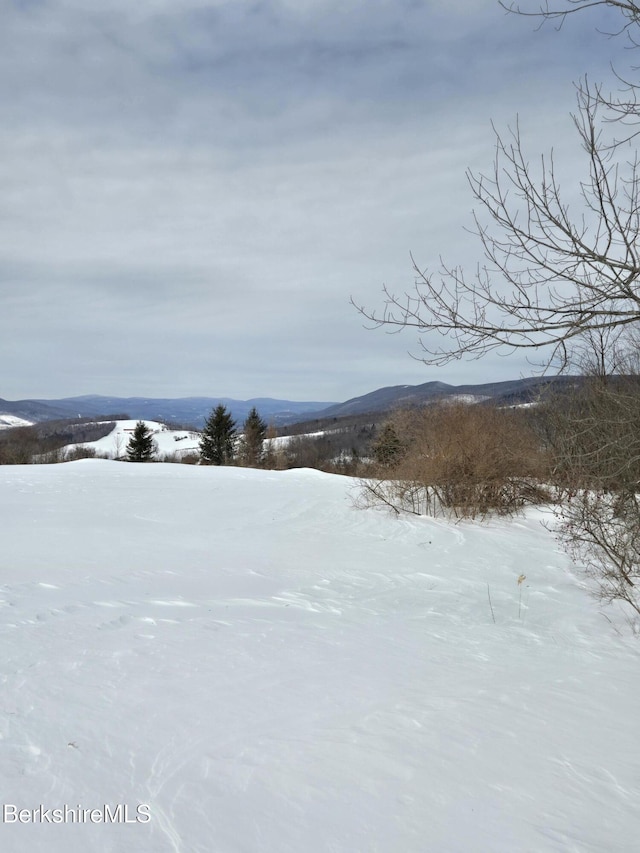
(190,191)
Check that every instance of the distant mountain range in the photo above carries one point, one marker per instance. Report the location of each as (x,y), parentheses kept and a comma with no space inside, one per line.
(194,410)
(191,411)
(511,393)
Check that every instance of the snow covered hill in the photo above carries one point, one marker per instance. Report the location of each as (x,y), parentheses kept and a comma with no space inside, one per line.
(168,441)
(11,421)
(265,669)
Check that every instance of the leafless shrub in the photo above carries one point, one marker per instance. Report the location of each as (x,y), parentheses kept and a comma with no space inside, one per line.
(305,452)
(80,452)
(594,437)
(460,460)
(594,440)
(399,496)
(190,458)
(18,446)
(51,457)
(601,531)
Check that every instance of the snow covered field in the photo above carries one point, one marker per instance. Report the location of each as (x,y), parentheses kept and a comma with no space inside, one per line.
(11,421)
(272,671)
(168,441)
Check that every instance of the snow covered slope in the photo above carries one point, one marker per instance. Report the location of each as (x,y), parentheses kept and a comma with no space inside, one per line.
(272,671)
(168,441)
(11,421)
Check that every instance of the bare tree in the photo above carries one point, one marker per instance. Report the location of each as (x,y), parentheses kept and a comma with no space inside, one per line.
(564,280)
(547,278)
(550,274)
(622,106)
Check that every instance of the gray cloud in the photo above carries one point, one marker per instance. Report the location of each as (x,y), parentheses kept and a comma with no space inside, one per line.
(191,191)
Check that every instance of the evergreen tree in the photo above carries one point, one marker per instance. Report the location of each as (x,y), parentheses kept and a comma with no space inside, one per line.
(141,446)
(217,442)
(388,448)
(252,443)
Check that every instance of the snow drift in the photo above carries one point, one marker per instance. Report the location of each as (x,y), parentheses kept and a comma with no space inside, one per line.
(265,668)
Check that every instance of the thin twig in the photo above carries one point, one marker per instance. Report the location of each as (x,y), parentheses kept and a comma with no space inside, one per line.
(493,615)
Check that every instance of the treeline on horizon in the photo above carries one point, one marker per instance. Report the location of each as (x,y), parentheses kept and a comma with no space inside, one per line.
(339,449)
(473,454)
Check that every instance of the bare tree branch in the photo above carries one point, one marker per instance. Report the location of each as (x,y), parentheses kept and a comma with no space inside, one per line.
(559,12)
(565,277)
(548,276)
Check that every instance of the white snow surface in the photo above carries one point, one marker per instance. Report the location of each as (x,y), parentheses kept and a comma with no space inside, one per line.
(168,441)
(273,671)
(12,421)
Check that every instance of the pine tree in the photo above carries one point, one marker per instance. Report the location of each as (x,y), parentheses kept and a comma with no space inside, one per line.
(388,448)
(252,443)
(217,442)
(141,446)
